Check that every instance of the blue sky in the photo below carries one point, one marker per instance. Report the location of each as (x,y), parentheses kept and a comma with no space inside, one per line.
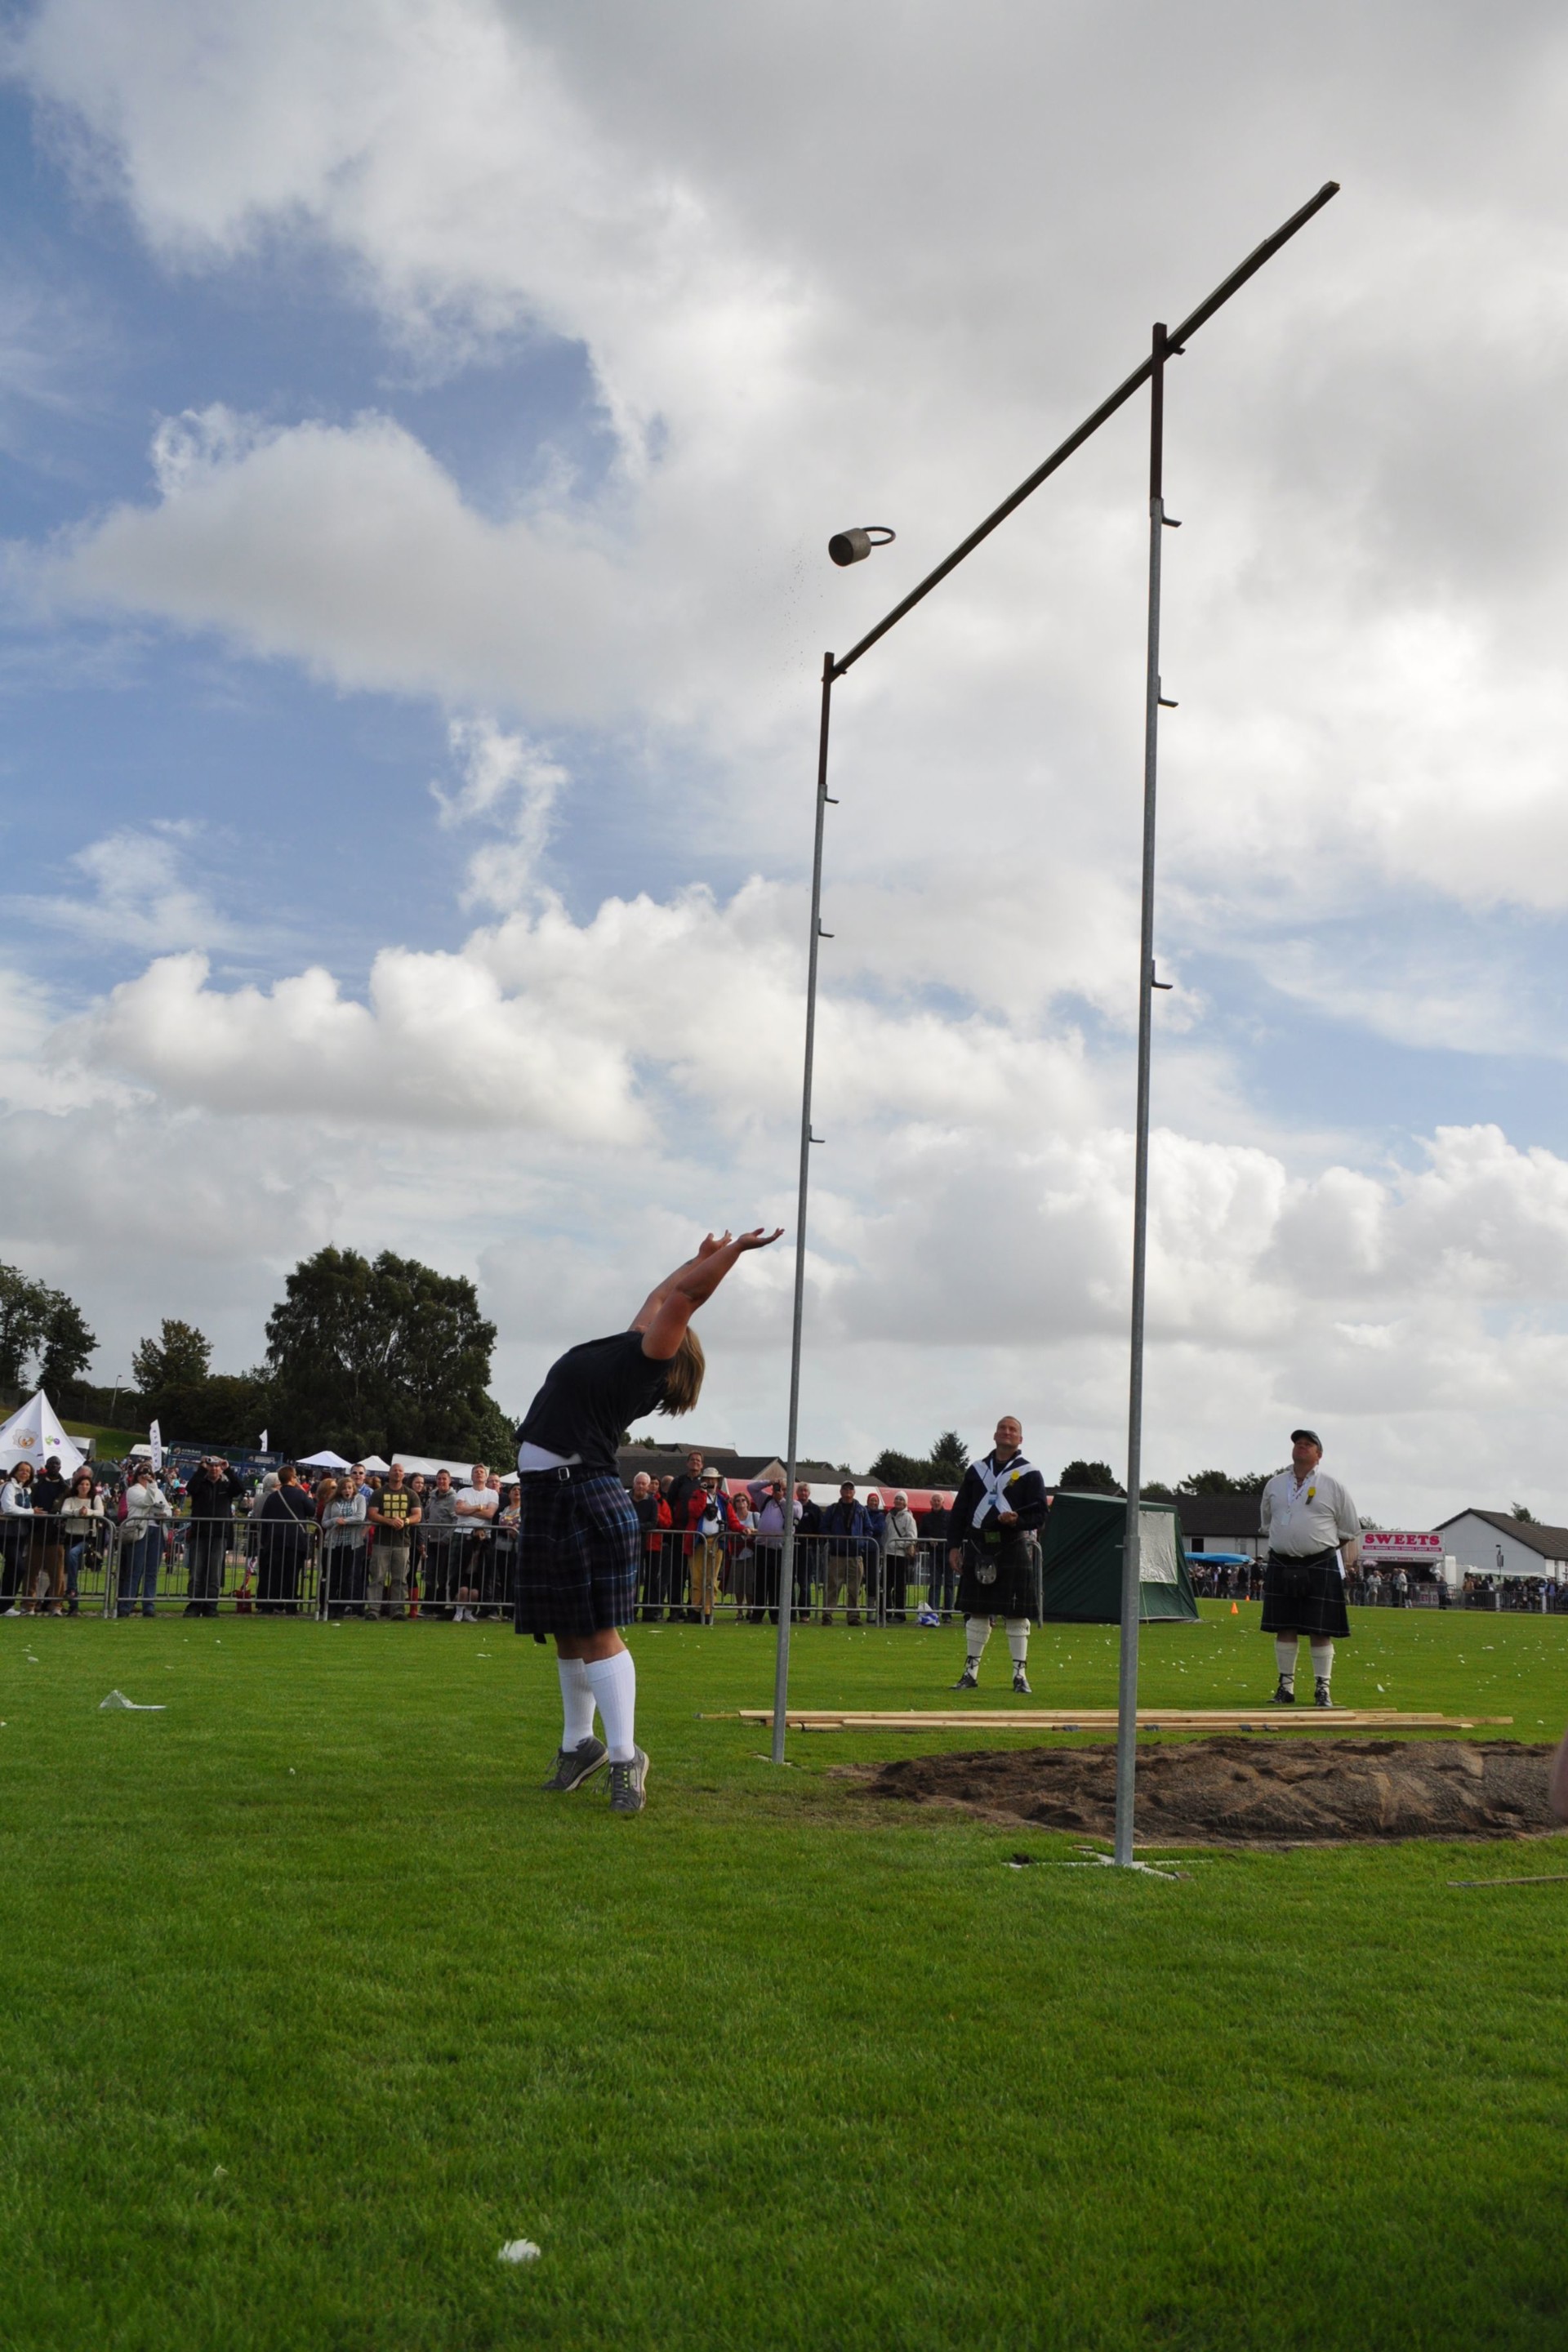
(419,428)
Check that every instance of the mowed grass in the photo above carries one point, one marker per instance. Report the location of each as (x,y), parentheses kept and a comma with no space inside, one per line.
(314,2000)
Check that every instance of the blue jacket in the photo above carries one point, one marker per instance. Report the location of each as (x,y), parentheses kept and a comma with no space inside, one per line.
(847,1528)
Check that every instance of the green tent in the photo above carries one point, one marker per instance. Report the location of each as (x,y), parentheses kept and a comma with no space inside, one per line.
(1083,1541)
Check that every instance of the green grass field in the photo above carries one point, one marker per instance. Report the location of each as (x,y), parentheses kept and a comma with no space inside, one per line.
(111,1444)
(314,2001)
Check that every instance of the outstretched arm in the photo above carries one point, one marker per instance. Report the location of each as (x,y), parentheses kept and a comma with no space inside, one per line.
(666,1310)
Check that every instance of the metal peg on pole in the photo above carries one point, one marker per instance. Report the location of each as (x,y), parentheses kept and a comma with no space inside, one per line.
(787,1555)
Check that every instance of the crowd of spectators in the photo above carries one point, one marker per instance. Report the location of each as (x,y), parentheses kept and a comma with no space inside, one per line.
(391,1545)
(398,1544)
(709,1541)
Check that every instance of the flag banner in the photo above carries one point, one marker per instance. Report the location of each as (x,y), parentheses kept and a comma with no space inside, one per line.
(264,1446)
(156,1440)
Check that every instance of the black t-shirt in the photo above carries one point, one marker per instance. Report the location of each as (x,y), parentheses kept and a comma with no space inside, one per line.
(213,1497)
(48,1494)
(590,1395)
(682,1489)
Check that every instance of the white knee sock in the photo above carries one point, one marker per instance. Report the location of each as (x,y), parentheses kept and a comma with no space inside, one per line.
(1018,1639)
(976,1634)
(1322,1660)
(613,1683)
(1285,1657)
(576,1702)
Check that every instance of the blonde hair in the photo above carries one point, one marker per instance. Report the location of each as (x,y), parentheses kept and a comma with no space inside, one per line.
(683,1379)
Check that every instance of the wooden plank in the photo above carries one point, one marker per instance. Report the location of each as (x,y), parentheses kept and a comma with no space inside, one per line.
(1104,1720)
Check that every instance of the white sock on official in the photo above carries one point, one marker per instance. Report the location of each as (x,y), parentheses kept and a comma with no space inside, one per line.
(576,1703)
(1018,1640)
(976,1634)
(1285,1658)
(613,1683)
(1322,1660)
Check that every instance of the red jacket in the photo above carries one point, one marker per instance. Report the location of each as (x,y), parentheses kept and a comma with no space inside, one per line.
(696,1506)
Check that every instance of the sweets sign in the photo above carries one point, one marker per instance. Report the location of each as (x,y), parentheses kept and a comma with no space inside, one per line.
(1417,1549)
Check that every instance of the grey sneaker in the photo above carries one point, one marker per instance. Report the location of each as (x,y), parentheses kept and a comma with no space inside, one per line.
(627,1782)
(1321,1694)
(1021,1683)
(1285,1695)
(968,1679)
(574,1765)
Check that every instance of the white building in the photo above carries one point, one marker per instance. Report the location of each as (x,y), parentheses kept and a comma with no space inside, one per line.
(1494,1543)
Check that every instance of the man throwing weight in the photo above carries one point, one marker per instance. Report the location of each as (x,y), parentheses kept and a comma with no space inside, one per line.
(1304,1514)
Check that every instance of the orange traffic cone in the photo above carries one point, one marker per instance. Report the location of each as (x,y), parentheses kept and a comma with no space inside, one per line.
(1234,1610)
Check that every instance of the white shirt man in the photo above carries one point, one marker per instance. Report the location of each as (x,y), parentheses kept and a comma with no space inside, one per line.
(1314,1538)
(477,1504)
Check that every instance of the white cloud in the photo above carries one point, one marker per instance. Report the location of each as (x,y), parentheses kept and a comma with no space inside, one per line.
(508,780)
(135,893)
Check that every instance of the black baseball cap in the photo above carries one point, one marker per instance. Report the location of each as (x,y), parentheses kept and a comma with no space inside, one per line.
(1306,1437)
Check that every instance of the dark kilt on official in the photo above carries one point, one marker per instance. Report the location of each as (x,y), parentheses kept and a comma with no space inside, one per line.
(1305,1596)
(1011,1593)
(578,1542)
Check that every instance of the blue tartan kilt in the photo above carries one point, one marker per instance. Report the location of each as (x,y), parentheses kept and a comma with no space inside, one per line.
(578,1546)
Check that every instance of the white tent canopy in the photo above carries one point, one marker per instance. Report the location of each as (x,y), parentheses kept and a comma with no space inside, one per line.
(33,1434)
(325,1460)
(373,1462)
(428,1464)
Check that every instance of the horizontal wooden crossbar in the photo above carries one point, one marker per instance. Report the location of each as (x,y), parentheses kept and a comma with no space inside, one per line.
(1103,1719)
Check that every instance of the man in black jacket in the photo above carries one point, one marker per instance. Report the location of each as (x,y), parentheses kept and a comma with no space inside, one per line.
(846,1532)
(214,1491)
(1001,1504)
(48,1572)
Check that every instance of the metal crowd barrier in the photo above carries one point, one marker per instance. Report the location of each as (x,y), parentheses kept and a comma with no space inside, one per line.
(295,1567)
(45,1565)
(686,1580)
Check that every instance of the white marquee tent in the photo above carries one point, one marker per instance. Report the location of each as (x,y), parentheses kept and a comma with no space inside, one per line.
(33,1434)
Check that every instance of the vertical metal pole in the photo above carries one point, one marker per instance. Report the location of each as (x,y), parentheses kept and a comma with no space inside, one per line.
(786,1556)
(1131,1563)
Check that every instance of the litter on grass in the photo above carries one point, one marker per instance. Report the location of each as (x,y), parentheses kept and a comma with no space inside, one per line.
(136,1706)
(518,2250)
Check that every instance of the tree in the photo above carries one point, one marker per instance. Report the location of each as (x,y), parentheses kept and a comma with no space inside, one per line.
(228,1409)
(65,1344)
(1220,1482)
(896,1469)
(949,1459)
(1154,1491)
(23,1308)
(1090,1478)
(38,1321)
(1522,1511)
(179,1358)
(374,1355)
(945,1466)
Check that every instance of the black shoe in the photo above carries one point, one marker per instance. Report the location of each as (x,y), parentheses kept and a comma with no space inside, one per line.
(572,1766)
(627,1784)
(1285,1695)
(968,1679)
(1320,1692)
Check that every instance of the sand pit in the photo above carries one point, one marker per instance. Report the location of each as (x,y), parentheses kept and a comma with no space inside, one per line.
(1246,1792)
